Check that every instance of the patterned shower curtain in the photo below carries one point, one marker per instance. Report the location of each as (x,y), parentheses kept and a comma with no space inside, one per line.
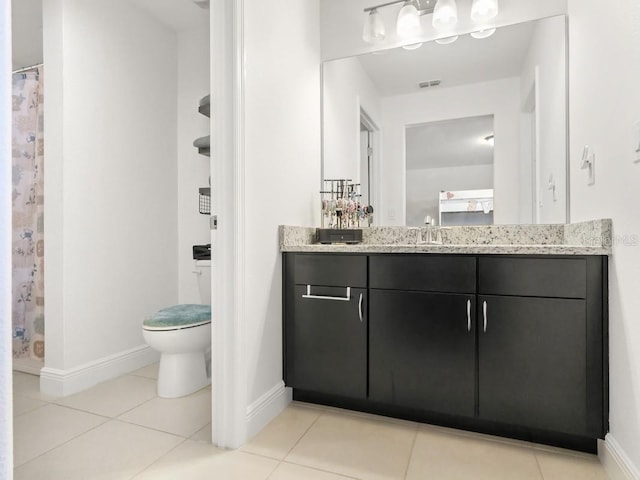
(28,215)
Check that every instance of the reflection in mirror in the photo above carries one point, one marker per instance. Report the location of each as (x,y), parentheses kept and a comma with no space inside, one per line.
(449,167)
(517,77)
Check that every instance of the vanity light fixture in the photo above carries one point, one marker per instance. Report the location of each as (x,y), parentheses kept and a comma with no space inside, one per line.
(413,46)
(446,40)
(373,28)
(483,10)
(407,24)
(483,33)
(445,14)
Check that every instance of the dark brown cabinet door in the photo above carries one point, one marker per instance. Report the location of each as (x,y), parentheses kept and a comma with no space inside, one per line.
(533,362)
(422,350)
(326,341)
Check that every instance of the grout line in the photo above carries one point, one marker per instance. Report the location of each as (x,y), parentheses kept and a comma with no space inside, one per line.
(288,462)
(538,463)
(157,460)
(413,447)
(274,469)
(63,443)
(302,436)
(129,422)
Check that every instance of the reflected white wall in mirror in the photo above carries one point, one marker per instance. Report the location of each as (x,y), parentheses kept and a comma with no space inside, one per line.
(518,76)
(449,155)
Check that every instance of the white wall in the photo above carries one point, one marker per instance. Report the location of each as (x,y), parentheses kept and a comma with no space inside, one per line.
(110,181)
(342,22)
(547,54)
(193,168)
(282,166)
(604,104)
(346,89)
(6,412)
(499,98)
(424,186)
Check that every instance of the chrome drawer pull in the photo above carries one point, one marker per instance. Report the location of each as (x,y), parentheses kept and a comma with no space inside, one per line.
(468,315)
(360,308)
(323,297)
(484,314)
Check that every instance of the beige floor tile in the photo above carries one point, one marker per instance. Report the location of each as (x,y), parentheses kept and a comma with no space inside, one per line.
(29,386)
(195,461)
(356,413)
(556,466)
(278,438)
(114,397)
(150,371)
(22,404)
(444,456)
(353,446)
(289,471)
(47,427)
(21,377)
(182,416)
(114,450)
(203,435)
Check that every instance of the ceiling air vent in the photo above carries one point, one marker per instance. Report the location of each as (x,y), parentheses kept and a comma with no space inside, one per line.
(431,83)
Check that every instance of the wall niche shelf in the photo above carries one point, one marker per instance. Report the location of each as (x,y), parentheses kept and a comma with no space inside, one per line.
(204,106)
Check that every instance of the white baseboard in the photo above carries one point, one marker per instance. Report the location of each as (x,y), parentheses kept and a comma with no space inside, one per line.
(267,407)
(615,460)
(61,383)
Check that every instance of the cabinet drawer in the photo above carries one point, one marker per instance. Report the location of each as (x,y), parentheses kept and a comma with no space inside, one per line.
(428,273)
(533,277)
(330,270)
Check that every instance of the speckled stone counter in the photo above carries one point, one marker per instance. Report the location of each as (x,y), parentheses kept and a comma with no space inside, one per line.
(585,238)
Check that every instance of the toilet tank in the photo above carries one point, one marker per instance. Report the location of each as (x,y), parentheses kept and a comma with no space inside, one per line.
(203,276)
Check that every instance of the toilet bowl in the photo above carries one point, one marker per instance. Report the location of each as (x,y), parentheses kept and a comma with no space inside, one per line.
(182,335)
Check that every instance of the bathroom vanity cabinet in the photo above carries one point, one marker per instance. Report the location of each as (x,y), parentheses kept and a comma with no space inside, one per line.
(512,345)
(327,325)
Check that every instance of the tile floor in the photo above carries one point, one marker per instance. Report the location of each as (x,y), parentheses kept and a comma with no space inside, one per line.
(122,430)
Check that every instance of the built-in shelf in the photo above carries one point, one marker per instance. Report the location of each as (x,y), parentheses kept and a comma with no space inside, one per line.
(203,144)
(204,107)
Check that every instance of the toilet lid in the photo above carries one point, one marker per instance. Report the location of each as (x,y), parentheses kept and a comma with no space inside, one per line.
(179,316)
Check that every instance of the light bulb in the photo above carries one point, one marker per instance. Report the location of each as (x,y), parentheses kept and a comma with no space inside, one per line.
(408,24)
(373,31)
(483,33)
(483,10)
(446,40)
(445,14)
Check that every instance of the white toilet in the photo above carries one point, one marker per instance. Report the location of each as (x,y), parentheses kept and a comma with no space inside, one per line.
(182,335)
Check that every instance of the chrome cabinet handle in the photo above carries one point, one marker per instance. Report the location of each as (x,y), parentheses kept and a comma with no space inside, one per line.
(468,315)
(360,308)
(324,297)
(484,314)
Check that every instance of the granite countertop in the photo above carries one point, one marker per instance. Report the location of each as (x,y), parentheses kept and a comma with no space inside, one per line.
(585,238)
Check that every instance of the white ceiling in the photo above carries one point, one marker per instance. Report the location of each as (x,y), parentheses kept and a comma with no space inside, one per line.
(178,15)
(450,143)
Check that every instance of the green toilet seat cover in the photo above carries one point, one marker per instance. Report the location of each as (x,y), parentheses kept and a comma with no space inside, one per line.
(179,316)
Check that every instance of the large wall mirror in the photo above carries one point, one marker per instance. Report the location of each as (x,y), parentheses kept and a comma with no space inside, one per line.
(476,125)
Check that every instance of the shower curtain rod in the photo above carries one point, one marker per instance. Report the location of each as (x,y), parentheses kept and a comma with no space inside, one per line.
(31,67)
